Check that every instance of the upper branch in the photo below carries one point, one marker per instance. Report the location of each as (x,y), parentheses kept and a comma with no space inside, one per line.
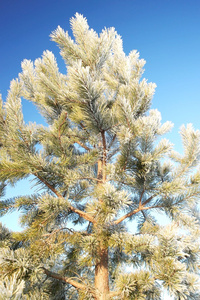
(140,201)
(83,145)
(147,201)
(133,212)
(141,207)
(112,141)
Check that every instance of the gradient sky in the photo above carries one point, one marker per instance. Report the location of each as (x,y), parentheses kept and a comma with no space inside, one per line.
(165,32)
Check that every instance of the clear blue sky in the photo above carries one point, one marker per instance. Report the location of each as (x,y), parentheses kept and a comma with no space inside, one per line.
(165,32)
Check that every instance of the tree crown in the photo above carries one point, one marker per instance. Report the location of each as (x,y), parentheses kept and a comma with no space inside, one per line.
(103,167)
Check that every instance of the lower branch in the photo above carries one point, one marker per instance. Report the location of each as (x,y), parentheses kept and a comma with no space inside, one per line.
(74,283)
(57,276)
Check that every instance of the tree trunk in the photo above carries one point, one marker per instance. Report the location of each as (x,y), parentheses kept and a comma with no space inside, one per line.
(102,274)
(101,267)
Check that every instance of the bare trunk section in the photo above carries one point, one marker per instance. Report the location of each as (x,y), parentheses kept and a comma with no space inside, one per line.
(101,267)
(102,274)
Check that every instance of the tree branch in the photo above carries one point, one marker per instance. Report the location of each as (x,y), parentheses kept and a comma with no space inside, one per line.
(83,127)
(147,201)
(57,276)
(83,145)
(48,185)
(140,207)
(76,210)
(135,211)
(83,214)
(74,283)
(140,201)
(112,141)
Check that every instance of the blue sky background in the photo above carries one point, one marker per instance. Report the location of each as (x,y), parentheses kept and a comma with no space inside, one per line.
(165,32)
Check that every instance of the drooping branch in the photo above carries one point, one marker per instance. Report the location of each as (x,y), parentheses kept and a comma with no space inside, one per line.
(69,280)
(76,210)
(57,276)
(48,185)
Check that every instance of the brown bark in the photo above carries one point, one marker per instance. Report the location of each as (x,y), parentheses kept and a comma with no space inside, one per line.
(104,158)
(102,274)
(101,267)
(133,212)
(71,281)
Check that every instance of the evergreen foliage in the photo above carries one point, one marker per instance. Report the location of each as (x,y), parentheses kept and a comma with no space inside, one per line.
(102,168)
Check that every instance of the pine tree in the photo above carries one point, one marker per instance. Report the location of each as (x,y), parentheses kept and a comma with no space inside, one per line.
(104,175)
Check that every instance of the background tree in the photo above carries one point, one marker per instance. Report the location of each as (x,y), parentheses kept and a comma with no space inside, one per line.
(103,169)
